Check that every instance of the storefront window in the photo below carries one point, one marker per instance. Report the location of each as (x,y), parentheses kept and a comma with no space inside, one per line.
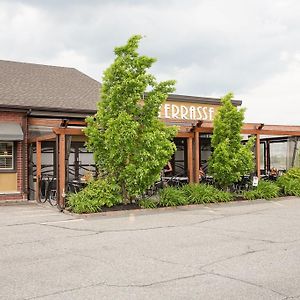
(262,156)
(278,155)
(179,158)
(6,155)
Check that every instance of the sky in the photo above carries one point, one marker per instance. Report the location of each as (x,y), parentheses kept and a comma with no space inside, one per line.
(210,47)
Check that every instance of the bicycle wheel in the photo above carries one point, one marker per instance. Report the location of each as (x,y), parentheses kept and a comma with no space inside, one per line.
(53,198)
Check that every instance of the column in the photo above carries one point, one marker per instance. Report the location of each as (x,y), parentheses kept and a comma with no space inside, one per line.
(38,170)
(190,159)
(62,171)
(257,148)
(197,156)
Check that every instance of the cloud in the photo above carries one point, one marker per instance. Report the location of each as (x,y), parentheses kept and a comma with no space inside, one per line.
(209,46)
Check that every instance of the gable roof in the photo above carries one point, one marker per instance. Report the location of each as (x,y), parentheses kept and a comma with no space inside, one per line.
(43,87)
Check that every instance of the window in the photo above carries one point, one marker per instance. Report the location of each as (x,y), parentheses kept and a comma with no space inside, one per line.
(6,156)
(262,156)
(278,155)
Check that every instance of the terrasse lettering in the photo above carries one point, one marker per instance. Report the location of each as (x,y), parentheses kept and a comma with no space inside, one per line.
(173,111)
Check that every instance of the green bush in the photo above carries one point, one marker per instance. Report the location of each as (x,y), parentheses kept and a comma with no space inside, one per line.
(172,196)
(97,194)
(148,203)
(289,183)
(293,173)
(264,190)
(202,193)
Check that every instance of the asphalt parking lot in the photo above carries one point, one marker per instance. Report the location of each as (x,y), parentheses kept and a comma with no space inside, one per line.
(242,250)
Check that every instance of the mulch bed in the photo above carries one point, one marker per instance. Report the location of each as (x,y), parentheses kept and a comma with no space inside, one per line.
(129,206)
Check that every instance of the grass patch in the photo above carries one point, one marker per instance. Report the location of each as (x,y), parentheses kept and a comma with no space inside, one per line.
(264,190)
(289,182)
(172,196)
(148,203)
(203,193)
(97,194)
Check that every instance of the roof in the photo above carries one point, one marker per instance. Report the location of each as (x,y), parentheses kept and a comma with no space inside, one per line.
(43,87)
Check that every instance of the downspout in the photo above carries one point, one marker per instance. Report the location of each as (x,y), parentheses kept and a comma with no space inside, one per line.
(25,156)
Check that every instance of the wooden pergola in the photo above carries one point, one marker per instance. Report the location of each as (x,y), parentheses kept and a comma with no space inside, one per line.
(190,130)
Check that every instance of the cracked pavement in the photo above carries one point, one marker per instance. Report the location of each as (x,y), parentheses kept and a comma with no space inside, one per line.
(238,250)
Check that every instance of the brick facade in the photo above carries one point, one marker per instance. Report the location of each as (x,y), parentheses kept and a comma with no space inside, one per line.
(21,159)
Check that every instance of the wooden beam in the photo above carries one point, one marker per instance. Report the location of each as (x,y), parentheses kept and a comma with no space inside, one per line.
(44,137)
(197,157)
(190,159)
(68,131)
(53,122)
(184,134)
(271,132)
(43,122)
(38,170)
(257,148)
(253,128)
(62,171)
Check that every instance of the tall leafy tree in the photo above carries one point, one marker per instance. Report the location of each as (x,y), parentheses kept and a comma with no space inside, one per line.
(230,159)
(130,144)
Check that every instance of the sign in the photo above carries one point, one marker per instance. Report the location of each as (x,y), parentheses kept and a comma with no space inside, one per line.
(255,181)
(188,111)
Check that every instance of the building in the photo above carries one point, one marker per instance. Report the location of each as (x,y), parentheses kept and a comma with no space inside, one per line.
(43,110)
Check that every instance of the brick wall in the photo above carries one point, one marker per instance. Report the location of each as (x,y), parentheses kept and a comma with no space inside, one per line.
(21,159)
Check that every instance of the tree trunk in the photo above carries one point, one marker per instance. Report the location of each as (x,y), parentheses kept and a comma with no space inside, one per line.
(125,197)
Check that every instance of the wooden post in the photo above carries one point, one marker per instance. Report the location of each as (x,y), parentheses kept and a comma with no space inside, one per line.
(62,171)
(197,157)
(38,170)
(56,173)
(190,159)
(257,148)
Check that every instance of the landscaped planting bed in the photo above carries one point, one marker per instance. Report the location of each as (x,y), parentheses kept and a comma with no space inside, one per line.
(100,196)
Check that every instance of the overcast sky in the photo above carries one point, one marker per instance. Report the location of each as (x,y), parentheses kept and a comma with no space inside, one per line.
(210,47)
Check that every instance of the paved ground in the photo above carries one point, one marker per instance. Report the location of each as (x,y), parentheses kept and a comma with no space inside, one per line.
(244,250)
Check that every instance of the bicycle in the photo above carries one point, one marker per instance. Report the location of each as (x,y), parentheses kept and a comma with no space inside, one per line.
(50,192)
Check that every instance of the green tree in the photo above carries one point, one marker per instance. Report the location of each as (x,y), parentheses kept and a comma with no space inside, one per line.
(130,144)
(230,159)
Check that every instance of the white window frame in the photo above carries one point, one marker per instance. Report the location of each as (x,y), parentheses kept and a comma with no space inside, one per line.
(12,156)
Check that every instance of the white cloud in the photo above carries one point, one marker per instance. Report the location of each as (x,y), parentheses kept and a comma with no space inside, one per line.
(210,47)
(276,100)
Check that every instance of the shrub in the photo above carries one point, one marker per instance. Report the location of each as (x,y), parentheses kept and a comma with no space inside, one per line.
(97,194)
(293,173)
(172,196)
(230,159)
(290,182)
(264,190)
(148,203)
(130,143)
(202,193)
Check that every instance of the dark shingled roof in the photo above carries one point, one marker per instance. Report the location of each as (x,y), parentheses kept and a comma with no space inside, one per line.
(46,87)
(58,89)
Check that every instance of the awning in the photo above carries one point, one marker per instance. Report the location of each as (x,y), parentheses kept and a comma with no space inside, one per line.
(11,132)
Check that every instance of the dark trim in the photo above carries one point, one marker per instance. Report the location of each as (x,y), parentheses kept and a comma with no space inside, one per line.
(41,109)
(62,111)
(195,99)
(51,114)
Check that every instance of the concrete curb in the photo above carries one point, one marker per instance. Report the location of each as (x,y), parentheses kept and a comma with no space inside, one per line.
(141,211)
(16,202)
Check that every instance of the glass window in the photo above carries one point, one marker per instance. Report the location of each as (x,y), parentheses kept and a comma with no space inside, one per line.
(278,155)
(6,155)
(262,156)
